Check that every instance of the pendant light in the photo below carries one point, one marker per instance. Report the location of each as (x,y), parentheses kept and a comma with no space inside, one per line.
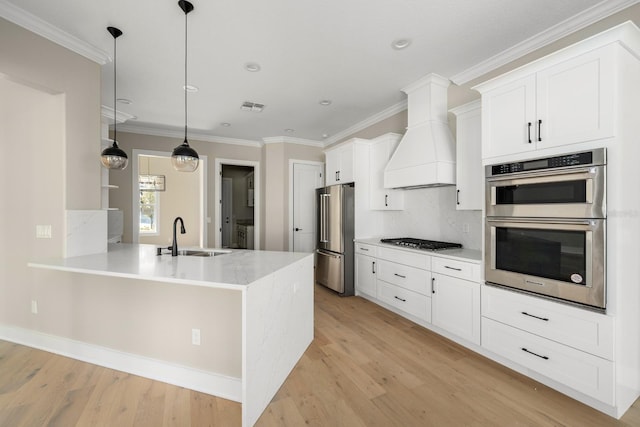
(114,157)
(185,158)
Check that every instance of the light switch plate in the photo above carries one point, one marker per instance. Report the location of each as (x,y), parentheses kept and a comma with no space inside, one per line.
(43,231)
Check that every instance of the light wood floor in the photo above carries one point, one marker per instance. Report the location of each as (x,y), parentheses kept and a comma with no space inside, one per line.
(366,367)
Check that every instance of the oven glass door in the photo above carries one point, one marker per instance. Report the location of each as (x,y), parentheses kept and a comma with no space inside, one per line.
(573,193)
(558,258)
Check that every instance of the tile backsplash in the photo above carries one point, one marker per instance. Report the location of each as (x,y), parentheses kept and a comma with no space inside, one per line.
(430,213)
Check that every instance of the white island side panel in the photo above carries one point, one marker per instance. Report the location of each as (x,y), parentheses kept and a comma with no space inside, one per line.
(278,328)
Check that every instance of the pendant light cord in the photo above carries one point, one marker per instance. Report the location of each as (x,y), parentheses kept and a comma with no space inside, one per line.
(185,78)
(115,119)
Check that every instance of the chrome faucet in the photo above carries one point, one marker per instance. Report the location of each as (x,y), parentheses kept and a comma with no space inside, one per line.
(174,245)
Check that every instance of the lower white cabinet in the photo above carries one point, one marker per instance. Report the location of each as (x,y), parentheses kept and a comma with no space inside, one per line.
(455,305)
(365,272)
(581,371)
(411,302)
(443,292)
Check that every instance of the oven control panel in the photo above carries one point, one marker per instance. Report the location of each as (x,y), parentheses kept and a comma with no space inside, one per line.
(575,159)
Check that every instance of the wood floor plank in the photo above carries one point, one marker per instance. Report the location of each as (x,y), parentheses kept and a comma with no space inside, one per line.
(367,366)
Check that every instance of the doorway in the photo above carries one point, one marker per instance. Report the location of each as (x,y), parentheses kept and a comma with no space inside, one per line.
(159,197)
(304,178)
(238,210)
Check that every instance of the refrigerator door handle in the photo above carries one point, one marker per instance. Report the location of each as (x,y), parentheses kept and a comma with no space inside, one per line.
(324,220)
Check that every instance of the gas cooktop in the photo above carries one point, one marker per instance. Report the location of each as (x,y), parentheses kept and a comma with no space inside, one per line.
(427,245)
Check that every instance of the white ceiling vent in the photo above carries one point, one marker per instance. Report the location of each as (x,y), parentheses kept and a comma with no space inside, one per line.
(252,106)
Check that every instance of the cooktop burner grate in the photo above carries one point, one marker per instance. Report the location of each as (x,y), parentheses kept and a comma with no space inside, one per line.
(428,245)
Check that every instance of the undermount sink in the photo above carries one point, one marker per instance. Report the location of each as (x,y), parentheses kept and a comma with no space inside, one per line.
(201,252)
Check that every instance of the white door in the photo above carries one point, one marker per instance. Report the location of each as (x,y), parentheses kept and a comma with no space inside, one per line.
(306,178)
(227,209)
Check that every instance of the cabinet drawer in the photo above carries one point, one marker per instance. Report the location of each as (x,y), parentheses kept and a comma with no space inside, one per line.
(581,371)
(411,278)
(364,249)
(454,268)
(410,302)
(578,328)
(405,257)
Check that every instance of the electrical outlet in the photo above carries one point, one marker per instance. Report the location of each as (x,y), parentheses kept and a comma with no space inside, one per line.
(465,228)
(195,336)
(34,306)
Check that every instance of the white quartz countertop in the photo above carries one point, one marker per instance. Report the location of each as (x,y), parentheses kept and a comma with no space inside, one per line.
(234,270)
(469,255)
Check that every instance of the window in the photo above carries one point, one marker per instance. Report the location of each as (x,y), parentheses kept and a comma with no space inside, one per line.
(149,212)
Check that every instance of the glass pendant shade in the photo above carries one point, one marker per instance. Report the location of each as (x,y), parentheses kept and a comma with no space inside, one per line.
(114,157)
(184,158)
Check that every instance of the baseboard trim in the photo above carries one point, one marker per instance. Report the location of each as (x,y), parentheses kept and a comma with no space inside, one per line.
(194,379)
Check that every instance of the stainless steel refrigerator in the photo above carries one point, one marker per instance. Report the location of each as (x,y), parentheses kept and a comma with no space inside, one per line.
(335,231)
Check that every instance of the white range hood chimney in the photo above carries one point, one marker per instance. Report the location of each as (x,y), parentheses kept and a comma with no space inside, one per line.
(426,155)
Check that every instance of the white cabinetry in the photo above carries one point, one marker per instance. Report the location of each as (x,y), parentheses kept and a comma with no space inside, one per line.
(428,289)
(455,298)
(365,269)
(557,103)
(469,173)
(339,164)
(570,345)
(382,198)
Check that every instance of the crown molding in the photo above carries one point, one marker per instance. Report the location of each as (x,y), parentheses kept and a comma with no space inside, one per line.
(21,17)
(121,116)
(289,140)
(175,133)
(370,121)
(555,33)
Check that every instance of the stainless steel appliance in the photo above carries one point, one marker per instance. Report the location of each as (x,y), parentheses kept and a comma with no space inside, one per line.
(545,231)
(427,245)
(335,231)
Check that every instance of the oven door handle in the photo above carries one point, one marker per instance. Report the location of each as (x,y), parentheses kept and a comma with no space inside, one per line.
(511,220)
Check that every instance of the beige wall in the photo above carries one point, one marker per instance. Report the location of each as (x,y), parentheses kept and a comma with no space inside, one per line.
(53,124)
(181,198)
(32,60)
(122,197)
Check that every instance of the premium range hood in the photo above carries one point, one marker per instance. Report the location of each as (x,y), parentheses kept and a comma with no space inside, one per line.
(426,155)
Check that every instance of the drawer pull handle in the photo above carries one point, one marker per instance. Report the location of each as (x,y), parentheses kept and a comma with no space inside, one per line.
(364,249)
(401,299)
(535,354)
(399,275)
(373,267)
(452,268)
(529,132)
(433,285)
(535,317)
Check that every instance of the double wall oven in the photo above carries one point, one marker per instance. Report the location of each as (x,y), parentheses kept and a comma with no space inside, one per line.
(545,229)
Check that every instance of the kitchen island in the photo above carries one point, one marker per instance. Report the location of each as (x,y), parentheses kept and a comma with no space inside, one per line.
(265,297)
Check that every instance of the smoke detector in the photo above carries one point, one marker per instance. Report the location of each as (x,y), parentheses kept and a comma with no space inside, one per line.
(252,106)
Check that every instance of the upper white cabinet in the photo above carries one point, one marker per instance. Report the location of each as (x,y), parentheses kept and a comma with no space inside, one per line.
(566,101)
(469,173)
(339,164)
(382,198)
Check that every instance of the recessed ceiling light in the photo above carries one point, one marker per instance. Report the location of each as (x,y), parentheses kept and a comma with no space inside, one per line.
(400,44)
(124,101)
(325,102)
(190,88)
(325,135)
(289,130)
(252,67)
(225,124)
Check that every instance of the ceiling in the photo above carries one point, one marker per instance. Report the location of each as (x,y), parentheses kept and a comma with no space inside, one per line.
(307,50)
